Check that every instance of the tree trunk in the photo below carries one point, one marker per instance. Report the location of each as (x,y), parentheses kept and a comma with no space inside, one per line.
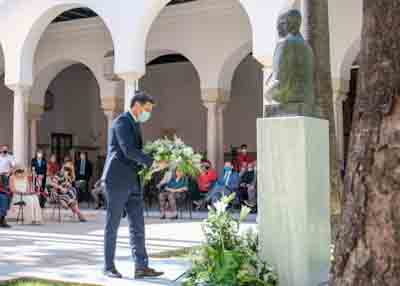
(316,24)
(368,245)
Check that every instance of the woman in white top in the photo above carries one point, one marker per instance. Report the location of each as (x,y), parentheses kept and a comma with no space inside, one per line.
(21,187)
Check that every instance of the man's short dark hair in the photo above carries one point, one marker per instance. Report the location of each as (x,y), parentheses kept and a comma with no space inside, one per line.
(142,98)
(243,146)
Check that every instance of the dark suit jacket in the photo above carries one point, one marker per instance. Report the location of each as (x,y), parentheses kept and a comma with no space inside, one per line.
(88,171)
(125,156)
(40,170)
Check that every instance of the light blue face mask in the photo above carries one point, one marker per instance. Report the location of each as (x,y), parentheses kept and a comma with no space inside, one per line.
(144,116)
(227,169)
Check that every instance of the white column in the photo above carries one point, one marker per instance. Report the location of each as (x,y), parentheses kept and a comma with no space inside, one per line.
(20,125)
(130,89)
(110,117)
(33,134)
(212,132)
(220,136)
(131,85)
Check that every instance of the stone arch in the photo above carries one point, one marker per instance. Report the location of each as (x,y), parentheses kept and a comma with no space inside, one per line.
(348,60)
(154,54)
(236,29)
(24,46)
(171,77)
(261,15)
(48,73)
(231,64)
(75,108)
(157,8)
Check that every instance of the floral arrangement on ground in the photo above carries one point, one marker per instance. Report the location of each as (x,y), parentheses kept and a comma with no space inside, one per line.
(227,257)
(176,154)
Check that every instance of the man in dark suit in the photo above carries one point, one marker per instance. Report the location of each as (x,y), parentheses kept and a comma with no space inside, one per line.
(125,159)
(39,168)
(83,170)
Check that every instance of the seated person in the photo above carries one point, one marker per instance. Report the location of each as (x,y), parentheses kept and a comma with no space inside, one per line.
(227,184)
(207,177)
(243,158)
(38,186)
(172,187)
(23,192)
(205,182)
(151,190)
(98,194)
(52,166)
(247,185)
(70,164)
(62,191)
(5,198)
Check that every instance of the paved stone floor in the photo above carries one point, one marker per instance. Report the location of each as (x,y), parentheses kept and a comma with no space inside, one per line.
(72,251)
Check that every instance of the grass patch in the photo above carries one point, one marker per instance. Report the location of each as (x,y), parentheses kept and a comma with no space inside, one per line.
(178,253)
(38,282)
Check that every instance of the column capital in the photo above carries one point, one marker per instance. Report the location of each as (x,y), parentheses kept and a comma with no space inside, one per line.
(19,89)
(215,95)
(130,77)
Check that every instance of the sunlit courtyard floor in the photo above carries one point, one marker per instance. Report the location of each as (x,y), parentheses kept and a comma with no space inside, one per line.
(73,252)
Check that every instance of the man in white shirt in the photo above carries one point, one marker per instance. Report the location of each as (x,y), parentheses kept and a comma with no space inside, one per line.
(7,162)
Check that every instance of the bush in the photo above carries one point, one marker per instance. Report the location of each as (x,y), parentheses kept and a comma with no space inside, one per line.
(228,258)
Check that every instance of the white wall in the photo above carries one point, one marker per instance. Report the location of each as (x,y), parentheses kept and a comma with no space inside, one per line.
(208,34)
(245,106)
(76,108)
(345,20)
(84,41)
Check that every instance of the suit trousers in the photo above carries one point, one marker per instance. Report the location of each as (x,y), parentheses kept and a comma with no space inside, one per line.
(4,204)
(130,199)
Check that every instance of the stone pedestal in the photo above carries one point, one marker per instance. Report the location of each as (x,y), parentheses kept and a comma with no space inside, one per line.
(293,198)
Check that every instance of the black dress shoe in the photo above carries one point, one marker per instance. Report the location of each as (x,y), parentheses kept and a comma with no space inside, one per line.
(113,273)
(147,273)
(5,225)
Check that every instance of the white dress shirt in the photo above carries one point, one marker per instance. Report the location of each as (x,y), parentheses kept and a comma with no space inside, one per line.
(7,162)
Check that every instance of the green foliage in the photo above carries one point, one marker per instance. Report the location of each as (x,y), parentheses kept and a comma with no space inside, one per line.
(228,258)
(176,154)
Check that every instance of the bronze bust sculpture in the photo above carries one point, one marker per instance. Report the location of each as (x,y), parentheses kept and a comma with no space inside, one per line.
(290,88)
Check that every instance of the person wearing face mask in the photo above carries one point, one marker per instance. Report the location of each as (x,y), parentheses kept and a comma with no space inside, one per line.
(7,163)
(246,181)
(125,159)
(227,184)
(39,166)
(5,200)
(243,158)
(207,178)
